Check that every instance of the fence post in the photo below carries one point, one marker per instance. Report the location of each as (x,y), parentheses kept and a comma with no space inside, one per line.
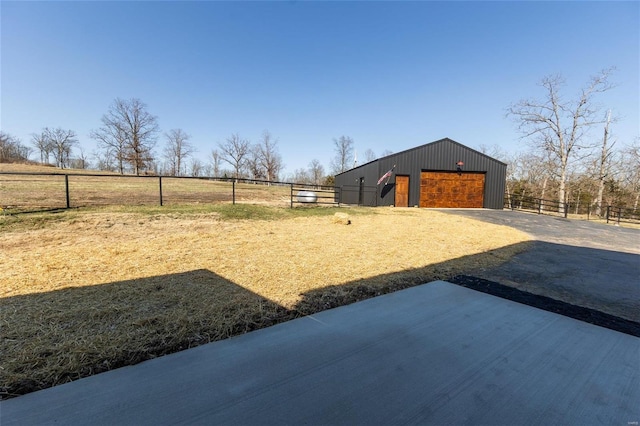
(66,190)
(608,209)
(160,185)
(233,191)
(566,209)
(539,205)
(291,198)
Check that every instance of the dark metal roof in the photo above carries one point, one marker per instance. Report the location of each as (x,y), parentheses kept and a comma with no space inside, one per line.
(444,140)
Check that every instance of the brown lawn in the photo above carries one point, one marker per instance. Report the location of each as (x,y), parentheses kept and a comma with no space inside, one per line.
(92,291)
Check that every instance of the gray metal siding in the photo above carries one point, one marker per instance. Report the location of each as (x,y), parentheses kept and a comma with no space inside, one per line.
(441,155)
(349,182)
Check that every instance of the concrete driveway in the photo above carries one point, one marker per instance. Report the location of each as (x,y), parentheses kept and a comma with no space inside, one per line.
(579,262)
(435,354)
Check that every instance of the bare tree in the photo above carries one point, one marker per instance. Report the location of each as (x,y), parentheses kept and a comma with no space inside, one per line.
(81,161)
(141,128)
(43,145)
(235,151)
(215,162)
(269,158)
(369,155)
(528,175)
(130,132)
(494,151)
(112,142)
(176,150)
(540,170)
(604,164)
(61,143)
(386,152)
(11,149)
(316,172)
(301,176)
(152,166)
(343,147)
(510,175)
(253,163)
(105,160)
(559,127)
(631,171)
(197,167)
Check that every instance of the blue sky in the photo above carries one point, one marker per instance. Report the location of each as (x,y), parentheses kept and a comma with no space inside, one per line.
(391,75)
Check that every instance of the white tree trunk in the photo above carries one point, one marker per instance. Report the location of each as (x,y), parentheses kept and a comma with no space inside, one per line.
(600,195)
(544,190)
(561,191)
(602,172)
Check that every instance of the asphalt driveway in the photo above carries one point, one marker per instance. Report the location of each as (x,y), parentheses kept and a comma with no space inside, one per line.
(582,263)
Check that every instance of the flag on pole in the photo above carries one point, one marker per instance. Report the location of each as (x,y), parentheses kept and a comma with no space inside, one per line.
(386,176)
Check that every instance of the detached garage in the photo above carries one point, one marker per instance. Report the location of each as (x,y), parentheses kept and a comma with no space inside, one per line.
(443,174)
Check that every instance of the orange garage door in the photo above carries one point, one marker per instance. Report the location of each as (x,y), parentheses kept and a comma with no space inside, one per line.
(452,189)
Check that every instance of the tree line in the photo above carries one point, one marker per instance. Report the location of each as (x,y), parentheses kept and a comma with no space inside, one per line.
(129,134)
(573,156)
(126,142)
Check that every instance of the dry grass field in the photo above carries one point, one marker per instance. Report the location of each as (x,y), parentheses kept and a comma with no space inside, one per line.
(88,290)
(47,189)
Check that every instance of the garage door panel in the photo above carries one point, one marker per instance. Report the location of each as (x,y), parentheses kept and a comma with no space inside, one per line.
(452,189)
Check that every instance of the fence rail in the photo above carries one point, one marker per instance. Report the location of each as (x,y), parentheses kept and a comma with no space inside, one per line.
(554,207)
(314,195)
(22,192)
(538,205)
(621,214)
(25,191)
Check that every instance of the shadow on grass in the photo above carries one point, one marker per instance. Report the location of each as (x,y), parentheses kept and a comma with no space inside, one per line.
(15,212)
(55,337)
(591,285)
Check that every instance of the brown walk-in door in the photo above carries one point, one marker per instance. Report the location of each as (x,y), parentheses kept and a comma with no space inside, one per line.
(402,191)
(452,189)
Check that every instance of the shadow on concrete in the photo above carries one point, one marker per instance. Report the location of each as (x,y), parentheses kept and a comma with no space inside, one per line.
(580,313)
(106,326)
